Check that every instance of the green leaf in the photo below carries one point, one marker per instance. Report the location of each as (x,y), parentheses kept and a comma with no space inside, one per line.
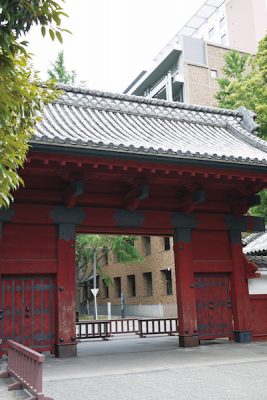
(52,34)
(43,30)
(59,36)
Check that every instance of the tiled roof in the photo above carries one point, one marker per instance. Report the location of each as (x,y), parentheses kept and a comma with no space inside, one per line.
(261,262)
(92,120)
(256,244)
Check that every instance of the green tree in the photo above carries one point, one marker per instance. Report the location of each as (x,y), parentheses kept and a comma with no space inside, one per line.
(261,209)
(59,72)
(245,84)
(233,70)
(22,96)
(121,246)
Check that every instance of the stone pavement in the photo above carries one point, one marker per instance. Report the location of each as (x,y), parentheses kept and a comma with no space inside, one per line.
(131,368)
(14,394)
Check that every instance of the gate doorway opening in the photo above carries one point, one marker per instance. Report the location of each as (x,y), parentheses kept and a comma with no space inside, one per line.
(136,273)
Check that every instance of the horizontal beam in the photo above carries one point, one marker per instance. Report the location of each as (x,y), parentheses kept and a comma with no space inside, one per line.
(194,167)
(120,220)
(212,265)
(11,266)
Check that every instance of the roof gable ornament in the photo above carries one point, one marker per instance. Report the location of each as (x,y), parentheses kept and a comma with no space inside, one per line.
(248,120)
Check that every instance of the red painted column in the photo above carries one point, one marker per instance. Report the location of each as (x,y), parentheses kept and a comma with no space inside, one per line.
(239,291)
(188,336)
(66,345)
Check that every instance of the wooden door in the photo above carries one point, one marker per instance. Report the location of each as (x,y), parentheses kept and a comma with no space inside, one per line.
(213,303)
(28,311)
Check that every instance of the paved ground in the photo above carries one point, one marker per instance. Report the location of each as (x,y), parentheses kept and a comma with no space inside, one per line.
(14,394)
(130,368)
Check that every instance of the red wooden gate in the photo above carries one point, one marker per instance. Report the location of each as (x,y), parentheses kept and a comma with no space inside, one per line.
(214,315)
(258,306)
(28,311)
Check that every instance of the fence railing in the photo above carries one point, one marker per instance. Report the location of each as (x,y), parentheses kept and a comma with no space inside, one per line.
(127,325)
(26,366)
(158,326)
(142,327)
(93,329)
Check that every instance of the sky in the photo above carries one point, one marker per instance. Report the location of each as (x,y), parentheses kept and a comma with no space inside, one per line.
(112,41)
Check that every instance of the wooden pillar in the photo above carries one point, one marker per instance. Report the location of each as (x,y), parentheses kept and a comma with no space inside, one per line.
(188,336)
(239,291)
(66,345)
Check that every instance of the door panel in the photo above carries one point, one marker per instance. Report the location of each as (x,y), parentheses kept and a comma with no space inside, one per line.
(28,311)
(214,314)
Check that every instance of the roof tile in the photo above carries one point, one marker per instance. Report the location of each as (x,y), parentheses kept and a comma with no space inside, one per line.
(106,121)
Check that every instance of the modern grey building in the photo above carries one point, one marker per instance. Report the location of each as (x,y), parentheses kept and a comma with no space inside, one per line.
(187,68)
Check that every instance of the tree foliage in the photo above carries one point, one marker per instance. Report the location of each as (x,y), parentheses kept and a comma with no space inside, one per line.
(261,209)
(22,96)
(245,84)
(59,72)
(121,246)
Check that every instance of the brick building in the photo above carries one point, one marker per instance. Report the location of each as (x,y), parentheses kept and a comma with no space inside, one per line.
(149,287)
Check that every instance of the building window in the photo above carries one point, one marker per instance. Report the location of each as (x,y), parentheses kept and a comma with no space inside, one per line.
(131,285)
(211,34)
(167,244)
(148,283)
(224,40)
(117,286)
(147,245)
(106,289)
(91,282)
(106,256)
(213,73)
(222,22)
(85,291)
(168,280)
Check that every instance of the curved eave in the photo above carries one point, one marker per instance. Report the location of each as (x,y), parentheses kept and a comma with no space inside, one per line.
(145,156)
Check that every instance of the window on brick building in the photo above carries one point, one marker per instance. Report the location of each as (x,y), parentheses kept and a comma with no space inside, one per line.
(131,285)
(85,291)
(168,280)
(147,245)
(148,283)
(106,289)
(90,282)
(117,286)
(106,256)
(167,243)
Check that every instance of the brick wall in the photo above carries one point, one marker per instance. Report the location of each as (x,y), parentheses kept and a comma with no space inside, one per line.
(201,86)
(159,260)
(198,85)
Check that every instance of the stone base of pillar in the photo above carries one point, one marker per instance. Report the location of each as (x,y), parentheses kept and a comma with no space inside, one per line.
(66,350)
(189,341)
(243,336)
